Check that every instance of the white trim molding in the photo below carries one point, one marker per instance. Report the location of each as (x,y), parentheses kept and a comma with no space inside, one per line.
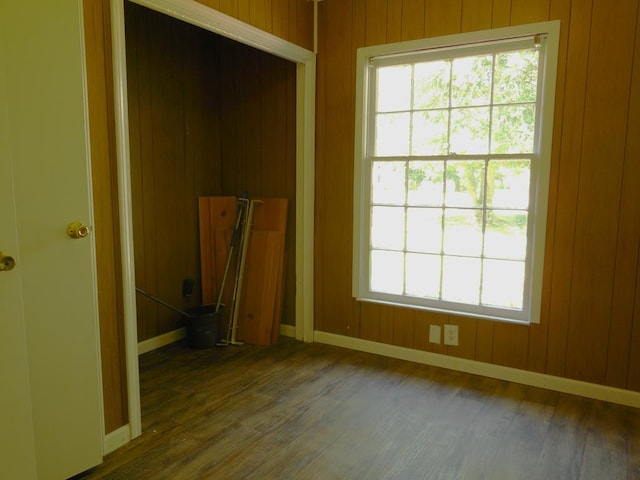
(116,439)
(524,377)
(287,330)
(200,15)
(161,340)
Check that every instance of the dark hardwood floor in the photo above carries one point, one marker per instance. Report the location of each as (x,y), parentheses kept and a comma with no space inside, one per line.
(310,411)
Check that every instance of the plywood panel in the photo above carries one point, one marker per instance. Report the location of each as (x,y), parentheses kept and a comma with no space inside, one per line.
(263,274)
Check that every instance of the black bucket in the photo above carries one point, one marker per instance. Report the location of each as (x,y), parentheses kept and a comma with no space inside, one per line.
(202,324)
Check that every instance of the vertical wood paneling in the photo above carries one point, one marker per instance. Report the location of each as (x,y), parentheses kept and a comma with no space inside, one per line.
(288,19)
(501,13)
(244,10)
(321,181)
(213,121)
(475,13)
(280,17)
(376,24)
(336,202)
(589,328)
(526,11)
(538,338)
(412,19)
(467,338)
(610,56)
(404,332)
(228,7)
(567,197)
(625,326)
(442,17)
(394,21)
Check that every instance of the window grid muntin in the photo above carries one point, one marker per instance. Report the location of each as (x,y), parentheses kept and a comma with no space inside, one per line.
(410,134)
(385,55)
(484,208)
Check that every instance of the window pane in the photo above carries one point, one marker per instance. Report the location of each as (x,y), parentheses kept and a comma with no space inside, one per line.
(462,231)
(430,132)
(387,271)
(471,81)
(469,130)
(392,134)
(425,183)
(431,85)
(423,275)
(424,230)
(502,283)
(513,129)
(388,183)
(516,77)
(461,280)
(387,227)
(465,183)
(508,183)
(506,234)
(394,88)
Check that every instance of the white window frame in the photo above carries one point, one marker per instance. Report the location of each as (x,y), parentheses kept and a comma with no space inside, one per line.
(473,43)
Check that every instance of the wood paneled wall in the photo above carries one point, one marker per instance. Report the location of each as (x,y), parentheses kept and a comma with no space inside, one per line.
(590,326)
(288,19)
(207,116)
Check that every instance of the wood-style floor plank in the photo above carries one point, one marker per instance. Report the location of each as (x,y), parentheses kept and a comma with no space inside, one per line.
(311,411)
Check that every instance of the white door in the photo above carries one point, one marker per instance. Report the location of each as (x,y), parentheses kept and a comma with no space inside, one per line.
(51,388)
(17,449)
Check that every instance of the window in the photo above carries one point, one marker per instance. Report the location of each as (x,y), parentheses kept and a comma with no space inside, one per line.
(453,142)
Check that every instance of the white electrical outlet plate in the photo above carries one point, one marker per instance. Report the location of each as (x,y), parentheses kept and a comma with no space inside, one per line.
(434,333)
(451,335)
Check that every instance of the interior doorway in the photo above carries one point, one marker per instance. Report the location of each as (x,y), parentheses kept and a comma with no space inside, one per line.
(208,19)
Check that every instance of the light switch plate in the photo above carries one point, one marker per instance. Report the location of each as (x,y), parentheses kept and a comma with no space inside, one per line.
(451,335)
(435,333)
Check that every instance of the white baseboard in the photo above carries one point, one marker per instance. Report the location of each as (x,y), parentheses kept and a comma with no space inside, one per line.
(116,439)
(161,340)
(288,330)
(534,379)
(178,334)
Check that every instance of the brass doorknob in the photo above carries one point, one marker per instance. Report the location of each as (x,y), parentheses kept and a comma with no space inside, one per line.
(6,262)
(77,230)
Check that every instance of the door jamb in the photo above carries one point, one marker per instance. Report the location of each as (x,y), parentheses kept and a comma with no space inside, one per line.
(200,15)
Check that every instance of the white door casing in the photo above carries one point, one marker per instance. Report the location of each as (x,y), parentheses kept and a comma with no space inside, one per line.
(200,15)
(52,291)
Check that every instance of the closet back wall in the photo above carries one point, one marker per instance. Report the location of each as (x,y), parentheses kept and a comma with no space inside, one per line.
(207,116)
